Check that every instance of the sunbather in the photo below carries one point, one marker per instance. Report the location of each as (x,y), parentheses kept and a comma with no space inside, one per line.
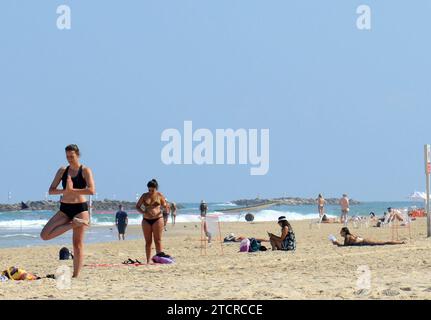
(353,240)
(232,238)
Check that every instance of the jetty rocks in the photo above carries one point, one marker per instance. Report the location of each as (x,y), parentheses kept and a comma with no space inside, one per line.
(49,205)
(289,201)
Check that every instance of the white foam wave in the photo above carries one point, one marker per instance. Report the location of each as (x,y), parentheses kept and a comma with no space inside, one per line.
(226,204)
(19,235)
(22,223)
(264,215)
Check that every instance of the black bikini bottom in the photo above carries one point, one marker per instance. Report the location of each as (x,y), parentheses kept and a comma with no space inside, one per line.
(152,221)
(73,209)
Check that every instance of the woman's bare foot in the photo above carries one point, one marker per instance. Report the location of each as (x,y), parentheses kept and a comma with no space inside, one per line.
(77,222)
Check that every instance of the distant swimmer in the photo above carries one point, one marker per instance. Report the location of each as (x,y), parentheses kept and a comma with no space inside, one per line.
(344,203)
(321,205)
(203,208)
(121,221)
(152,222)
(353,240)
(173,212)
(77,181)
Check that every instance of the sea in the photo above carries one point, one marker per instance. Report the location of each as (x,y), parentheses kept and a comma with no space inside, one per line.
(22,228)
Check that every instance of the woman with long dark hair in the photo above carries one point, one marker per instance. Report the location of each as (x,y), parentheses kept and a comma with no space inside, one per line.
(286,241)
(77,182)
(152,222)
(353,240)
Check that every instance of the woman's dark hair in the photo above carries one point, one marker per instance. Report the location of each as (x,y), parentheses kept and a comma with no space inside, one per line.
(285,223)
(346,231)
(153,184)
(72,147)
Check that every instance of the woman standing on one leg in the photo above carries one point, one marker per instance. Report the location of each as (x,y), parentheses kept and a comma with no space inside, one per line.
(77,181)
(152,222)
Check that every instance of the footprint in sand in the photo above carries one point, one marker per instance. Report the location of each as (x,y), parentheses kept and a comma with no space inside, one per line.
(390,292)
(406,289)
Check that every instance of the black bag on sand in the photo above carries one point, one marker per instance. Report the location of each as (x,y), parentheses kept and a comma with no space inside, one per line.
(65,254)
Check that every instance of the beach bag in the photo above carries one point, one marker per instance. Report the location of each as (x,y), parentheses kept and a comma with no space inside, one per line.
(254,245)
(65,254)
(15,273)
(244,246)
(162,258)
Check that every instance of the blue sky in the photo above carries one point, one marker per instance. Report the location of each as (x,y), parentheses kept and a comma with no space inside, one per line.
(348,110)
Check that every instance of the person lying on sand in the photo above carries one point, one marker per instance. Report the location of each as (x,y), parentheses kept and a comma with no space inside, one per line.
(353,240)
(286,241)
(232,238)
(325,219)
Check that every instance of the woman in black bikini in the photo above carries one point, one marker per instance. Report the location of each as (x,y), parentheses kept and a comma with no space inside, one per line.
(77,181)
(353,240)
(152,222)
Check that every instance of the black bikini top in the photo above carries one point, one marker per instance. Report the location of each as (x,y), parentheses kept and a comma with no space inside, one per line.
(78,181)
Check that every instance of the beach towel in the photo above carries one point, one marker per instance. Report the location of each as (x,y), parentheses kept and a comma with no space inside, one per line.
(15,273)
(244,246)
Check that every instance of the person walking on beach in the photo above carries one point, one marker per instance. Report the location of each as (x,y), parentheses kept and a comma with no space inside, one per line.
(173,212)
(152,222)
(121,220)
(165,211)
(344,203)
(321,205)
(77,182)
(203,208)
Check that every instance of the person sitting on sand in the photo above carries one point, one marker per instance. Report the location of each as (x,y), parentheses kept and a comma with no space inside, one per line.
(286,241)
(353,240)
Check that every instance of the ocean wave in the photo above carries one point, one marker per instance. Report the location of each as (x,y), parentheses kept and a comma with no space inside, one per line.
(103,220)
(19,235)
(22,223)
(226,204)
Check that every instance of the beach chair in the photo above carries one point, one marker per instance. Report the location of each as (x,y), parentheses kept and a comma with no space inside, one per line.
(316,222)
(359,222)
(387,222)
(398,225)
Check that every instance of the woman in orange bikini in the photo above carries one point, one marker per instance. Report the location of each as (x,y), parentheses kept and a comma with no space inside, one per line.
(152,222)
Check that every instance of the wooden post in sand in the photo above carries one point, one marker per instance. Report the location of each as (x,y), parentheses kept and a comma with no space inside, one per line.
(428,172)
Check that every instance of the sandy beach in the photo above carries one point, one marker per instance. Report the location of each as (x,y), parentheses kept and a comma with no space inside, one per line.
(317,270)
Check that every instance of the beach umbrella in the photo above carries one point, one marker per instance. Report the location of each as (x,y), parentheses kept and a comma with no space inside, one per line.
(418,196)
